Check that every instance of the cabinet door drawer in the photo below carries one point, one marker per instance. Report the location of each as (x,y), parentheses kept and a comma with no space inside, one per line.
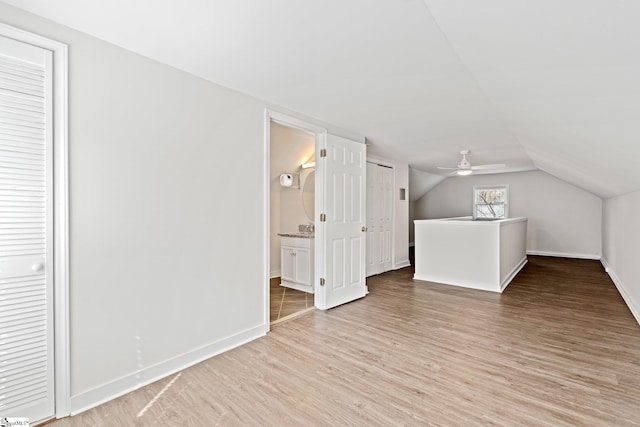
(295,242)
(288,269)
(303,266)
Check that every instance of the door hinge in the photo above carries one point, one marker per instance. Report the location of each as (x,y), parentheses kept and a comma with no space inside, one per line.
(323,217)
(321,281)
(323,152)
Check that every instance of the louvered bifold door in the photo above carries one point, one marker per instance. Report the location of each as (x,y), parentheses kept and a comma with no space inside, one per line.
(26,296)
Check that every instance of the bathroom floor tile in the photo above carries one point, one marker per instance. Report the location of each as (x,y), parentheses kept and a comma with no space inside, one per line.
(286,301)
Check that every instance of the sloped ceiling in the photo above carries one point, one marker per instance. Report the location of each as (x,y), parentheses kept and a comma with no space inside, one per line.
(542,84)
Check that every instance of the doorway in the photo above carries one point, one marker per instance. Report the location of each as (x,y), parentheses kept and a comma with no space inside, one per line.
(337,253)
(292,212)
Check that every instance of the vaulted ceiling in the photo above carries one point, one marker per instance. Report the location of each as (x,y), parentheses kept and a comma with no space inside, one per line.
(545,84)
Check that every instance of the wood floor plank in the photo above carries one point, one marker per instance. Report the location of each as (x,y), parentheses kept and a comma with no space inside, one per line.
(557,348)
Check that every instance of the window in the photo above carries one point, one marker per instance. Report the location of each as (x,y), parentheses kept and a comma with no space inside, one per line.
(490,202)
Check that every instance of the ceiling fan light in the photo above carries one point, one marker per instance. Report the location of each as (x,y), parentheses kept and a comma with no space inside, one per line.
(463,172)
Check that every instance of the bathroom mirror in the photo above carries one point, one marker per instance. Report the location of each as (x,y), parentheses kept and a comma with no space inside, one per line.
(308,195)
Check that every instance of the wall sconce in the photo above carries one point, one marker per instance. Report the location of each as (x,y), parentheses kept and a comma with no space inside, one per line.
(308,165)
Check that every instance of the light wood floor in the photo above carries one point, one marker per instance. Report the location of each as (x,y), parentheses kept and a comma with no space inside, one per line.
(558,348)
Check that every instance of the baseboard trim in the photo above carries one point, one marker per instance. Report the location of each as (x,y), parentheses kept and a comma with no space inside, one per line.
(402,264)
(565,255)
(114,389)
(513,274)
(273,274)
(633,307)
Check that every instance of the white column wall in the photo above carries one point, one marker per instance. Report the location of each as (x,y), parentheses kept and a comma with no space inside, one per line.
(620,246)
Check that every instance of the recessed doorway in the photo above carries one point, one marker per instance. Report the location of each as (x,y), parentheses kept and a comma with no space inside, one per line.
(291,208)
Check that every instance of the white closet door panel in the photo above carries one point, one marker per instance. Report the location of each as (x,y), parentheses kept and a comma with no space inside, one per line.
(379,218)
(26,304)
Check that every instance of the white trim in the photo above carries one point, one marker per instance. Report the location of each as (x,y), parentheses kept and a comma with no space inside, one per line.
(114,389)
(320,201)
(60,208)
(293,122)
(266,215)
(633,307)
(564,254)
(513,274)
(402,264)
(275,273)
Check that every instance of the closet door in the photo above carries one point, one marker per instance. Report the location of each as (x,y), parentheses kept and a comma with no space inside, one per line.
(26,291)
(385,221)
(374,209)
(379,218)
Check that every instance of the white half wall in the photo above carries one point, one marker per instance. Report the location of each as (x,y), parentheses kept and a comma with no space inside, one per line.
(564,220)
(620,243)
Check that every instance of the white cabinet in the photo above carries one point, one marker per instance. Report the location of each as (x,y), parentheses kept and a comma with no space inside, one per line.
(296,254)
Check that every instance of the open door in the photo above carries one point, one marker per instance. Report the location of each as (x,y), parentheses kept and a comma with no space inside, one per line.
(340,230)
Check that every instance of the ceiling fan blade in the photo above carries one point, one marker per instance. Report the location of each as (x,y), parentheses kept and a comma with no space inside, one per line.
(495,166)
(448,169)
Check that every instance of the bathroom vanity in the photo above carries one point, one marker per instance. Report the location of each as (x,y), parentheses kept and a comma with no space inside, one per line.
(470,253)
(297,259)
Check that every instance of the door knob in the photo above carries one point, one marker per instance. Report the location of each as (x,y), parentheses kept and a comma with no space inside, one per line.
(37,267)
(364,229)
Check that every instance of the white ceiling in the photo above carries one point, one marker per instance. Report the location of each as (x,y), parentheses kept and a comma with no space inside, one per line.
(548,84)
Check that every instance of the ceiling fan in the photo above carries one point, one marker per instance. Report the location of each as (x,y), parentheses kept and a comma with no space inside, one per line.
(465,168)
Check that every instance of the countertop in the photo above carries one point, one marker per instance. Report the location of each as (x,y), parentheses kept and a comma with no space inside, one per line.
(297,235)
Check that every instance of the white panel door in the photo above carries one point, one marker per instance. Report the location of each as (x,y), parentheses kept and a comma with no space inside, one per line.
(26,291)
(345,209)
(379,218)
(385,220)
(374,244)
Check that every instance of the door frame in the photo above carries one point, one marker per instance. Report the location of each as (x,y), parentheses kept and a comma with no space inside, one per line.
(320,141)
(60,279)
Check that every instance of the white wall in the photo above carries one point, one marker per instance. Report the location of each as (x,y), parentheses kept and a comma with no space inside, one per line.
(412,217)
(564,220)
(166,189)
(620,243)
(401,221)
(290,148)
